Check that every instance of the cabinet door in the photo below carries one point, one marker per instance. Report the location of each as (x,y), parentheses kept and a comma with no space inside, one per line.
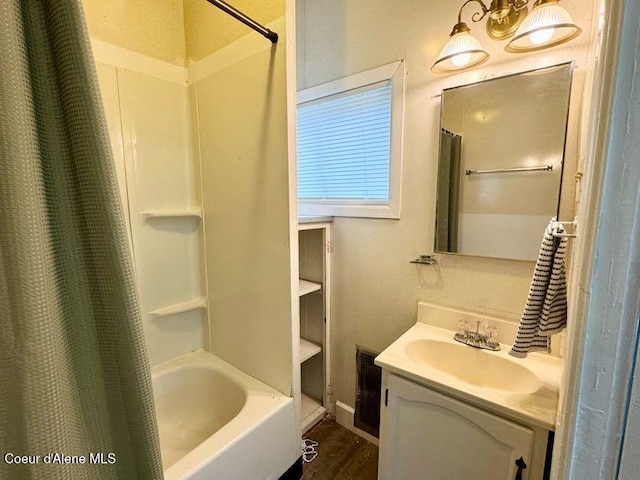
(429,436)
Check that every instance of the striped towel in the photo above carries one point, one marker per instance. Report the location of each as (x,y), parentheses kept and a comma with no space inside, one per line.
(546,309)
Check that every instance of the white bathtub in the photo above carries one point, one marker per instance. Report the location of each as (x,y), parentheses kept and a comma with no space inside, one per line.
(216,422)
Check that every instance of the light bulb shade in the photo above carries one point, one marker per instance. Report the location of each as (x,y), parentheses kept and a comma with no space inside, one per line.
(548,25)
(461,52)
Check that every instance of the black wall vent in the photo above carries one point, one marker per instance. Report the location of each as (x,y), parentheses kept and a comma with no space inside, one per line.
(367,416)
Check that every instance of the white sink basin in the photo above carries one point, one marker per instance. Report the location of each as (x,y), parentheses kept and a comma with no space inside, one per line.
(477,367)
(525,389)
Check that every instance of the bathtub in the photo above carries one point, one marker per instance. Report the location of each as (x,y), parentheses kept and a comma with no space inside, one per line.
(217,422)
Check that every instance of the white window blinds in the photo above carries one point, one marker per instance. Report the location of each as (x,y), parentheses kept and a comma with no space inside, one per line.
(344,145)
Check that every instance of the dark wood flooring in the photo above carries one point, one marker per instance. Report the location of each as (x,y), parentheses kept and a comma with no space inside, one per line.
(342,455)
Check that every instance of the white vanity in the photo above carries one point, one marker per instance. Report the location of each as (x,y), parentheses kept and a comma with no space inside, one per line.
(451,411)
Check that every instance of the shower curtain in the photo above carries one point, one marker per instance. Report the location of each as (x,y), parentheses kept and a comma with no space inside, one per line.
(74,378)
(448,192)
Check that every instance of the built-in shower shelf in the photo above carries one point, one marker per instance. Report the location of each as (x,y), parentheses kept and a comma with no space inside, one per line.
(178,213)
(312,412)
(308,349)
(195,304)
(305,287)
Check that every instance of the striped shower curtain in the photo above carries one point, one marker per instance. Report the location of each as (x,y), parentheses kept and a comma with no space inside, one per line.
(74,378)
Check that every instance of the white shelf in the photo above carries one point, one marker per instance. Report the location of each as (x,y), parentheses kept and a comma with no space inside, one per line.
(305,286)
(308,349)
(312,412)
(194,304)
(178,213)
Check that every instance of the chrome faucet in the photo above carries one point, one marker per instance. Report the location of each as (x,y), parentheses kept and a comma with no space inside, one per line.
(488,341)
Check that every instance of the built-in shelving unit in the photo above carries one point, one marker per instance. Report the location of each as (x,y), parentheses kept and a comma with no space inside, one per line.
(173,213)
(306,287)
(308,349)
(313,243)
(196,303)
(312,412)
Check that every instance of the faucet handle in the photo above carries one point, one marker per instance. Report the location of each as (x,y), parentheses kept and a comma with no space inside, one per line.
(463,326)
(492,332)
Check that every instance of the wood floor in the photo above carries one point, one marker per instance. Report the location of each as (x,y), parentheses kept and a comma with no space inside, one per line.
(342,455)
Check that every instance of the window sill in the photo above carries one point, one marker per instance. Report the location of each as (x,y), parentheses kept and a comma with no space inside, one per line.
(357,211)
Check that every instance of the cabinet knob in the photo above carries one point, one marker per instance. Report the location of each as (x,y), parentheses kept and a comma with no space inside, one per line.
(521,466)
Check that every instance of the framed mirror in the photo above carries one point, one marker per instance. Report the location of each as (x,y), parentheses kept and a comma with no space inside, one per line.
(501,158)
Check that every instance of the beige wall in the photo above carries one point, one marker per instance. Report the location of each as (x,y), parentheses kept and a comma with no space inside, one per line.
(375,289)
(208,29)
(242,124)
(176,31)
(154,28)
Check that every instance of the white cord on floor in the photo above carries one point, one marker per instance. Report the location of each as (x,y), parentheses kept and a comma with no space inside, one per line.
(309,450)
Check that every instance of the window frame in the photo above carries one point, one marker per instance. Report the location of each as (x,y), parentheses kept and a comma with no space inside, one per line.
(393,73)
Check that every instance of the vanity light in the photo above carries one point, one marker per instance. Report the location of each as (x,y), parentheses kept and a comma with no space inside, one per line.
(548,25)
(462,51)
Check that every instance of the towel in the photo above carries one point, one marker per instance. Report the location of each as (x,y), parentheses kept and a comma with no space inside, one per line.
(546,309)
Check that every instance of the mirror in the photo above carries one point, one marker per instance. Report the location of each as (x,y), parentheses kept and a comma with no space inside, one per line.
(500,164)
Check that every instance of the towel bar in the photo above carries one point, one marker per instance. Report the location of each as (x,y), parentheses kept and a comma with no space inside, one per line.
(545,168)
(574,223)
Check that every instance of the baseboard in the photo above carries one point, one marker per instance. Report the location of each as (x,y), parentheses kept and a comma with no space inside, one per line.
(344,417)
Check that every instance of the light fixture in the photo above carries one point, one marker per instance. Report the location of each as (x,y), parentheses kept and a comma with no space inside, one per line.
(463,50)
(548,25)
(505,16)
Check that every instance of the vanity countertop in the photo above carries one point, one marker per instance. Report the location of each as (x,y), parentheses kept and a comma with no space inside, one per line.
(535,404)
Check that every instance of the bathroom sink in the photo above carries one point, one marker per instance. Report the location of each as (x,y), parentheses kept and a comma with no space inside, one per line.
(480,368)
(523,389)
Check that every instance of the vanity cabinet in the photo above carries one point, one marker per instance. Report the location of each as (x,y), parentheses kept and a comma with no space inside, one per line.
(426,435)
(314,269)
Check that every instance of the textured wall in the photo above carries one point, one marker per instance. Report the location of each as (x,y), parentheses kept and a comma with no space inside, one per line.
(208,29)
(375,289)
(154,28)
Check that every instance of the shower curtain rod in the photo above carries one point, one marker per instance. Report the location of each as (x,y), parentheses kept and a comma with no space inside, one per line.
(249,22)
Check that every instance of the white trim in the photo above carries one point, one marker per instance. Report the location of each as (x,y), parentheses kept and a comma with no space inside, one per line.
(344,417)
(369,77)
(356,208)
(290,45)
(113,55)
(600,354)
(607,301)
(248,46)
(397,129)
(326,338)
(347,210)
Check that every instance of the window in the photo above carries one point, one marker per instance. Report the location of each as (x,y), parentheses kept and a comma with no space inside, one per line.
(349,145)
